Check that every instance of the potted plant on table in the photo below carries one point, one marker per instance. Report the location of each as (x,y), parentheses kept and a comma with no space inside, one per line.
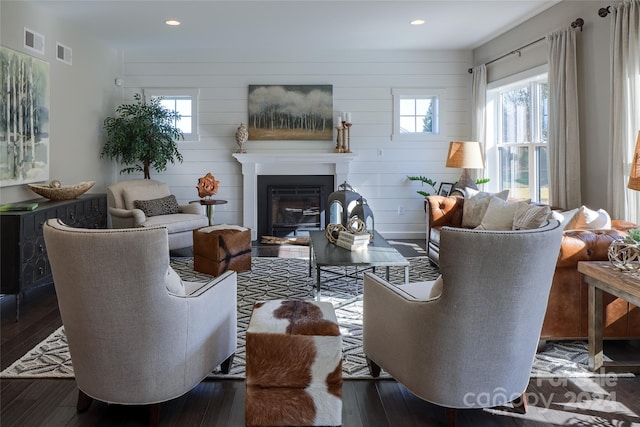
(143,135)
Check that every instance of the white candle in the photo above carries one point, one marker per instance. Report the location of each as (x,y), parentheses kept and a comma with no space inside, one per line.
(348,117)
(338,120)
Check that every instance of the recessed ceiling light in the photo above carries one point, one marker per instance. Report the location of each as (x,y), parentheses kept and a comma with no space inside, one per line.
(417,22)
(172,22)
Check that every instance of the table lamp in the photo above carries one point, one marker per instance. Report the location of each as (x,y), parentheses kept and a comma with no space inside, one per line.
(466,155)
(634,173)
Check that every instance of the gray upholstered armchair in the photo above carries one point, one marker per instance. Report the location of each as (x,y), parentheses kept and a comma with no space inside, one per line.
(149,203)
(468,339)
(137,334)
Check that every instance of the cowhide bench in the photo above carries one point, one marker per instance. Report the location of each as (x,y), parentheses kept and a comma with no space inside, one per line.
(293,365)
(221,247)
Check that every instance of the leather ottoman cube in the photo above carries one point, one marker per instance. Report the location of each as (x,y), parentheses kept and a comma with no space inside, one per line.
(221,247)
(293,365)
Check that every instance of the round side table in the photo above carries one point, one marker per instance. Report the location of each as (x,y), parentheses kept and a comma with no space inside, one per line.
(211,206)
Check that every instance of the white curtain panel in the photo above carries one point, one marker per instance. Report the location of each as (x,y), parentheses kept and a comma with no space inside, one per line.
(564,134)
(479,117)
(625,107)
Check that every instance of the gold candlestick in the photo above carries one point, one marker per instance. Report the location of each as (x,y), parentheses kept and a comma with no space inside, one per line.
(348,137)
(339,139)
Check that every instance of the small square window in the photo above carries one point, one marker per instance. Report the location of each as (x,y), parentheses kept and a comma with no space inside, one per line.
(416,113)
(185,103)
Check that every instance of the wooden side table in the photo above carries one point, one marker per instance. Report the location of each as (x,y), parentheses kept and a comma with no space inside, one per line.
(603,276)
(211,206)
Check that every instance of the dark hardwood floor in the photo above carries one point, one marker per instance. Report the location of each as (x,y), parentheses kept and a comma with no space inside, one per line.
(51,402)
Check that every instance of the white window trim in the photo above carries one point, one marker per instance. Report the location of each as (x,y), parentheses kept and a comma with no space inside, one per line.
(492,156)
(400,93)
(194,93)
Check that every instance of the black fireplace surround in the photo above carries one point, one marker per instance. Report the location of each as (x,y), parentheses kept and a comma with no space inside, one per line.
(292,205)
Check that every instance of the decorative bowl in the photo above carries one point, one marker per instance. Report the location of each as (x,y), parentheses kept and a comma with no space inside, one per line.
(63,192)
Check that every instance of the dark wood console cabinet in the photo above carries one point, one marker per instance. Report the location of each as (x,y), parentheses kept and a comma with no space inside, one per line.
(24,262)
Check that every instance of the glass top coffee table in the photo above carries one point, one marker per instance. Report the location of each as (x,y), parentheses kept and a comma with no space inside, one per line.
(379,253)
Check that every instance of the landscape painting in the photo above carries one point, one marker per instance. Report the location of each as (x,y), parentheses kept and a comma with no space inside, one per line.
(24,118)
(290,112)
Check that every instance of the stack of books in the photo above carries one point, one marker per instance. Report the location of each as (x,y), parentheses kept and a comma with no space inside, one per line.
(353,242)
(19,206)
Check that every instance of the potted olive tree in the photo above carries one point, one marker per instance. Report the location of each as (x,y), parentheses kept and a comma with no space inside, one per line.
(142,135)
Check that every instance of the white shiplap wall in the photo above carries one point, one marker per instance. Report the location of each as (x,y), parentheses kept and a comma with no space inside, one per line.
(362,83)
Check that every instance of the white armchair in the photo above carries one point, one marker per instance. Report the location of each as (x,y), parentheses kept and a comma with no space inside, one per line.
(137,334)
(472,343)
(123,197)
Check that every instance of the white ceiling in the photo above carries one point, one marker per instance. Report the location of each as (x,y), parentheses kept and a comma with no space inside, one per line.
(296,24)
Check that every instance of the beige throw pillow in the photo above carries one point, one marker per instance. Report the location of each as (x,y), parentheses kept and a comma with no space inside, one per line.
(500,214)
(587,219)
(475,206)
(530,216)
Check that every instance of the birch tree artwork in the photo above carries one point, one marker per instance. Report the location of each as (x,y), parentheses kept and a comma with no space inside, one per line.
(24,118)
(290,112)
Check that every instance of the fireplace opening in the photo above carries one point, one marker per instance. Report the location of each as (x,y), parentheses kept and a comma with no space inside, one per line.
(292,205)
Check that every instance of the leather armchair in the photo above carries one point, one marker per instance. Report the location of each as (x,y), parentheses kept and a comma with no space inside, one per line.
(122,195)
(567,311)
(137,334)
(473,344)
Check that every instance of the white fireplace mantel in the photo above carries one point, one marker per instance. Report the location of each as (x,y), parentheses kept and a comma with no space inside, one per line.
(285,163)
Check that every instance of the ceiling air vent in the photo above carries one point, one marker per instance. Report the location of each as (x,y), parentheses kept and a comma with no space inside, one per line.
(33,41)
(63,53)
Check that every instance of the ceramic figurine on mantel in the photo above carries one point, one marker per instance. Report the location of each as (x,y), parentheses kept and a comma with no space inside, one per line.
(242,135)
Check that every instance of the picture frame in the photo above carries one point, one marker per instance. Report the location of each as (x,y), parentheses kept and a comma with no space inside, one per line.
(24,129)
(290,112)
(445,189)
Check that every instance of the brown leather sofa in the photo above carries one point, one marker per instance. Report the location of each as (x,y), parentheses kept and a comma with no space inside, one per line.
(567,314)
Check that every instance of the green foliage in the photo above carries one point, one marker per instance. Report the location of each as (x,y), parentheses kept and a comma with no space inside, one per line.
(431,183)
(633,236)
(143,135)
(424,181)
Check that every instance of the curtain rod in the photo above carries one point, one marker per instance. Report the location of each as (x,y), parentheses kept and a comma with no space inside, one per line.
(579,22)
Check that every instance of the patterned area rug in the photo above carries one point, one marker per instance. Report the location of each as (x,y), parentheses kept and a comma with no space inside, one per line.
(288,278)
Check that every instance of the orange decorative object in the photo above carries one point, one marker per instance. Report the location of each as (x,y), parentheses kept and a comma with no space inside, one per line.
(207,185)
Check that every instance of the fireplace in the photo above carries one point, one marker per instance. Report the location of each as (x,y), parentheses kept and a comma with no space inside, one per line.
(292,205)
(287,163)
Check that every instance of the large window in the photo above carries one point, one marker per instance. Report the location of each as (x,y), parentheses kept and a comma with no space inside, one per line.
(517,135)
(185,103)
(416,113)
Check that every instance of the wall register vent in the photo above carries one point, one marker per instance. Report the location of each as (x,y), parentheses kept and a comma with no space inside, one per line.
(33,41)
(63,53)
